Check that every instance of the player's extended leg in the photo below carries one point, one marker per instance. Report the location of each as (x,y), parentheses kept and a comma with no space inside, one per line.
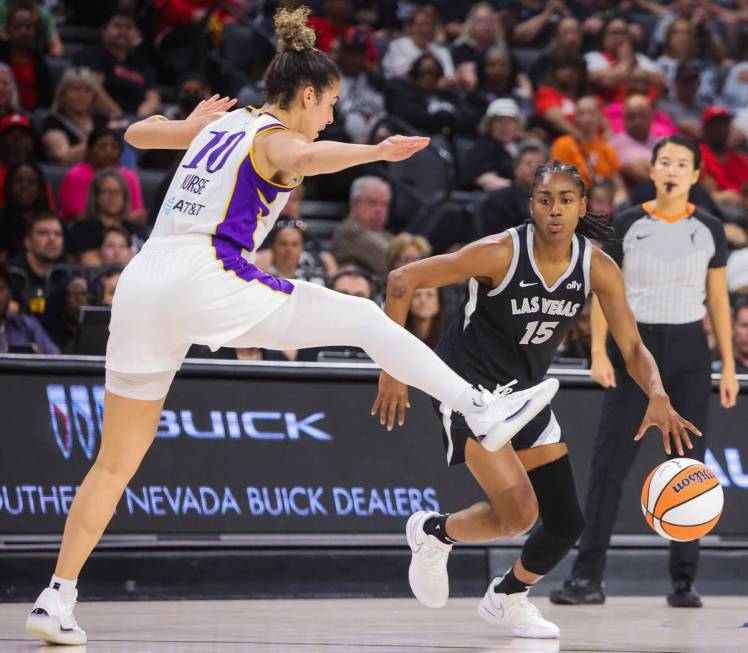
(317,317)
(510,509)
(128,430)
(561,522)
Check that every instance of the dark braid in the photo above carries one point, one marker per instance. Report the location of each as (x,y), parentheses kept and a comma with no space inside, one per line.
(591,225)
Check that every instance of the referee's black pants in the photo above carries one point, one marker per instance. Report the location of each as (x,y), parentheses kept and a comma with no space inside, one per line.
(682,354)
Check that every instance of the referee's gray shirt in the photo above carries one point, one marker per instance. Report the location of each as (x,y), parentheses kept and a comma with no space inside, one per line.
(665,261)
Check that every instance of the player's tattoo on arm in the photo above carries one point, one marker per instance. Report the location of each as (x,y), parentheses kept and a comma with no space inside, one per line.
(398,291)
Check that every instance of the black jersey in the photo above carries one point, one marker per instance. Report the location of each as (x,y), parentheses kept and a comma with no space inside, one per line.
(512,331)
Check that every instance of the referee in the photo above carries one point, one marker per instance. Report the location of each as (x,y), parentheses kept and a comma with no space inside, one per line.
(673,257)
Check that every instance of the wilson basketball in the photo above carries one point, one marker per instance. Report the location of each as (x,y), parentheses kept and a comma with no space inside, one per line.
(682,499)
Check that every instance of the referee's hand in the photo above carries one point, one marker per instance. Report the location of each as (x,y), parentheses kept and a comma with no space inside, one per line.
(392,399)
(662,415)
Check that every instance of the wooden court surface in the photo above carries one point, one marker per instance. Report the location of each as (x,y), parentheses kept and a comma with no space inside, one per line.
(623,625)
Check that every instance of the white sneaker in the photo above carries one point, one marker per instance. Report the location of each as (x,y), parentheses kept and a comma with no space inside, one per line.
(508,412)
(52,620)
(427,573)
(516,613)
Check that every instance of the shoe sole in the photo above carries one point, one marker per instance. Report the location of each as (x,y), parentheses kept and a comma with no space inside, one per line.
(485,612)
(410,527)
(497,437)
(48,630)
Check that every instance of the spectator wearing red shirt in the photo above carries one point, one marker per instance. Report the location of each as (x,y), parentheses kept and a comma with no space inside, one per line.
(17,141)
(33,78)
(338,18)
(725,169)
(555,101)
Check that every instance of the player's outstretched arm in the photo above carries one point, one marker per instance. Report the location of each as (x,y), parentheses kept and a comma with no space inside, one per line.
(160,133)
(607,283)
(486,260)
(292,153)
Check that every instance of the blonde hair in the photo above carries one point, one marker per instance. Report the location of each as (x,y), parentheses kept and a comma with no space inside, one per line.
(400,242)
(467,27)
(70,77)
(292,30)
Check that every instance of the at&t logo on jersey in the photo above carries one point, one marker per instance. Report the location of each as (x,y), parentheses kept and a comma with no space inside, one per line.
(76,413)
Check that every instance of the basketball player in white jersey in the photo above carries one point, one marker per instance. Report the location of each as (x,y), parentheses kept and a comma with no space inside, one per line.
(195,282)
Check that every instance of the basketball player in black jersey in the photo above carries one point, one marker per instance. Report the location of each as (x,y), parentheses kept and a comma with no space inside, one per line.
(526,287)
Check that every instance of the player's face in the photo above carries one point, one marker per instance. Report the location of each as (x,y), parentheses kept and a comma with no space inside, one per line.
(673,173)
(556,206)
(319,111)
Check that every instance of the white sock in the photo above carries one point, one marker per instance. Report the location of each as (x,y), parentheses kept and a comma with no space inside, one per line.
(469,402)
(65,587)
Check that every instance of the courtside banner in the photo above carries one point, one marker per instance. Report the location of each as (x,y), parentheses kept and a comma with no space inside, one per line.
(267,450)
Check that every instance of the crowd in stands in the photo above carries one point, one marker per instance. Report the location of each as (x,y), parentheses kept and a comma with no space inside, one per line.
(500,86)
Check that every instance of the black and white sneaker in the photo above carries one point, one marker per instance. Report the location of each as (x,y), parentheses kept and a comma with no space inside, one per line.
(52,621)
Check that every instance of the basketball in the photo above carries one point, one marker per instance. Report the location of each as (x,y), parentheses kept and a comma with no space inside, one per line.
(682,499)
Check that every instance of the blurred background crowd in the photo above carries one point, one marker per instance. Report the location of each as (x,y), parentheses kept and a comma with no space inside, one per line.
(501,87)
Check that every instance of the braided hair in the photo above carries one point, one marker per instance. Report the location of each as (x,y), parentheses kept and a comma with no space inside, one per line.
(592,225)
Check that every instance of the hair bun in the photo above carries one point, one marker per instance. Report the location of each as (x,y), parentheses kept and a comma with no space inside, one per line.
(292,30)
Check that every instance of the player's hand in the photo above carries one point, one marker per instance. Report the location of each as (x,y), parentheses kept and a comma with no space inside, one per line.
(728,389)
(399,148)
(602,371)
(662,415)
(392,398)
(215,104)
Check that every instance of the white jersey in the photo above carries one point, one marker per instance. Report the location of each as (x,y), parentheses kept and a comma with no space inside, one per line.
(218,191)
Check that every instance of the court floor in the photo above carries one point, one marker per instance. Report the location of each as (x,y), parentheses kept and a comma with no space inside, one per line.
(623,625)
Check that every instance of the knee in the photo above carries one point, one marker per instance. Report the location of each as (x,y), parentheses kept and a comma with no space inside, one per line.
(119,471)
(517,518)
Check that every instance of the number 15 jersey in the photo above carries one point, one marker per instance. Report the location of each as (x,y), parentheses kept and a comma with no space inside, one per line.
(512,331)
(218,191)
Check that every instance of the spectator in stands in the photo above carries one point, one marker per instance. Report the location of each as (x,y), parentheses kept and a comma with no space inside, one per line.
(737,272)
(66,130)
(17,142)
(510,206)
(498,77)
(566,44)
(595,159)
(423,102)
(535,21)
(610,67)
(108,205)
(423,24)
(362,237)
(108,281)
(489,165)
(25,196)
(684,107)
(481,30)
(20,331)
(555,102)
(406,248)
(8,91)
(426,316)
(116,247)
(288,256)
(740,336)
(725,169)
(338,16)
(43,248)
(46,38)
(33,77)
(707,40)
(578,340)
(600,199)
(635,144)
(61,317)
(362,92)
(734,92)
(104,149)
(127,84)
(638,84)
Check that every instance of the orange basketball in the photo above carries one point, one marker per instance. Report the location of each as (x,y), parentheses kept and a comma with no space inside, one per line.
(682,499)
